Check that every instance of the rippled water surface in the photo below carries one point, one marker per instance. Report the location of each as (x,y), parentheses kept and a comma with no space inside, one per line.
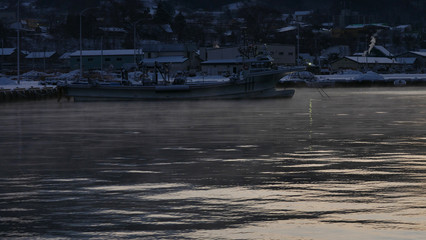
(350,166)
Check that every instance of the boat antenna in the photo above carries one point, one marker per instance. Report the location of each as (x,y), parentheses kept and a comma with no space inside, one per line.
(247,50)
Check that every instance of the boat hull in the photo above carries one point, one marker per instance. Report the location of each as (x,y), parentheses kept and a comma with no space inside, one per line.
(254,85)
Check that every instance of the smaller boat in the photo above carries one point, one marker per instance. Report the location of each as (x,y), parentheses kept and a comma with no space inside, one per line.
(305,78)
(399,83)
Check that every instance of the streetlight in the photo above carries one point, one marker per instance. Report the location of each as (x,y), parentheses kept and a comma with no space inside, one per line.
(81,42)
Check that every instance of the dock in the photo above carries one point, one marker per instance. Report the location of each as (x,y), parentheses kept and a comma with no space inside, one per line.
(32,93)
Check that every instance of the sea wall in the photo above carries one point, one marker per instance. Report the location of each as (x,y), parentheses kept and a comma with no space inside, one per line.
(33,93)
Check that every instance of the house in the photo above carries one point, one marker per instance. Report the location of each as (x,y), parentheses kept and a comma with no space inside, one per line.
(41,60)
(65,60)
(281,53)
(8,58)
(174,63)
(224,61)
(155,50)
(380,51)
(8,55)
(420,57)
(222,66)
(301,16)
(339,50)
(377,64)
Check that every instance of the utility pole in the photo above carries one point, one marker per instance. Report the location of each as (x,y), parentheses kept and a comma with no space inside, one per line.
(135,40)
(18,43)
(81,41)
(2,53)
(298,48)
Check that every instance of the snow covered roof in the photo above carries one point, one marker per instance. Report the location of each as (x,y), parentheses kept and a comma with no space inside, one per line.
(113,29)
(65,55)
(302,13)
(382,60)
(403,27)
(33,55)
(341,50)
(360,26)
(285,16)
(383,50)
(327,24)
(423,54)
(406,60)
(167,28)
(238,60)
(223,61)
(7,51)
(118,52)
(169,59)
(286,29)
(228,33)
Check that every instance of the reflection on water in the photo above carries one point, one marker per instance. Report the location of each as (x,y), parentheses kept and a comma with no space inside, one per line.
(351,165)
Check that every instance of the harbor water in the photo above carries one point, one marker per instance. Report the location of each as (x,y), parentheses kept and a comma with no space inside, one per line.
(345,163)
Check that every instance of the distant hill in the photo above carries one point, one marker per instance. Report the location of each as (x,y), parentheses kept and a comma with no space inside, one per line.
(388,11)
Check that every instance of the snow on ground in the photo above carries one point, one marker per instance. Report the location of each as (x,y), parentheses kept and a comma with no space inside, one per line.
(27,79)
(4,81)
(200,78)
(8,83)
(371,76)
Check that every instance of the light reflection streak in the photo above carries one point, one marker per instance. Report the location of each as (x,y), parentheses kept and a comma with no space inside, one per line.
(136,187)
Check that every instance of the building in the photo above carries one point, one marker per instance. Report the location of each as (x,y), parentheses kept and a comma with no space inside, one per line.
(301,16)
(377,64)
(224,61)
(41,60)
(222,66)
(173,63)
(7,55)
(104,59)
(65,60)
(161,51)
(8,58)
(380,51)
(127,58)
(420,57)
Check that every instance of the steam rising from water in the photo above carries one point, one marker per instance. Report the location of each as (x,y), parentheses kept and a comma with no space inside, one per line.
(351,165)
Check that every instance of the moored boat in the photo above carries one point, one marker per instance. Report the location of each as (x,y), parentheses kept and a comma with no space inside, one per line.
(258,80)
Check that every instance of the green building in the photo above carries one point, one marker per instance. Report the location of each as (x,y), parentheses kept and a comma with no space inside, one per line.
(104,59)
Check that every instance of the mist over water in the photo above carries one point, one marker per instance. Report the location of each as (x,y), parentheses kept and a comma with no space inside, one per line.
(350,165)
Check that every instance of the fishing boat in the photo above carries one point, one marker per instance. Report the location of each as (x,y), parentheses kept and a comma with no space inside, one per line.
(257,79)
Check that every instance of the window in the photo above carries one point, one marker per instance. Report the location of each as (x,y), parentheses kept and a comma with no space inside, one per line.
(119,59)
(107,59)
(90,59)
(281,53)
(290,53)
